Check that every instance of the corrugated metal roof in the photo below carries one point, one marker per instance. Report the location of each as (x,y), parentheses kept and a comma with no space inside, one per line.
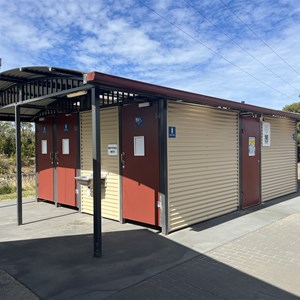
(35,83)
(20,75)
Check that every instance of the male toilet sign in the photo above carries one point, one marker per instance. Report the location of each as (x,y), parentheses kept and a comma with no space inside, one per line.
(172,132)
(66,128)
(139,121)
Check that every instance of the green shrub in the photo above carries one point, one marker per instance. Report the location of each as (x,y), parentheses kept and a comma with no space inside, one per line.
(7,189)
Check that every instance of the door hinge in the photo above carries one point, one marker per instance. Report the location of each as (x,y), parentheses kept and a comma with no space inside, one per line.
(158,204)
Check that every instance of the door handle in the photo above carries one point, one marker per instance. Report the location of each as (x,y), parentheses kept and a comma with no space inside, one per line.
(56,157)
(123,159)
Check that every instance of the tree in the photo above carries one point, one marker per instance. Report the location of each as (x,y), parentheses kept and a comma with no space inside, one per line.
(8,140)
(27,141)
(295,108)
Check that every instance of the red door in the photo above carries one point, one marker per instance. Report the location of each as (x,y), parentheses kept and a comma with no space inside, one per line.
(250,161)
(140,163)
(44,150)
(66,158)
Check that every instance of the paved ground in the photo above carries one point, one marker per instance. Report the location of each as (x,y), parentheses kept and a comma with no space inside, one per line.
(10,288)
(264,264)
(253,254)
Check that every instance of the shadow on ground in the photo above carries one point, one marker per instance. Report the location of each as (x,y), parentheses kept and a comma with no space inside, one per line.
(4,205)
(50,218)
(136,264)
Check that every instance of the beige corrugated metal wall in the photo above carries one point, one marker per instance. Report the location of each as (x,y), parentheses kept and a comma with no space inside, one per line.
(203,164)
(279,161)
(109,135)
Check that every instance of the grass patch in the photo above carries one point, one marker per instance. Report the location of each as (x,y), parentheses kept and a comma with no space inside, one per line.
(14,195)
(8,189)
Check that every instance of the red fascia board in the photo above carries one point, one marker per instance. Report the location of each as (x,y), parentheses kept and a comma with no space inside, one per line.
(143,87)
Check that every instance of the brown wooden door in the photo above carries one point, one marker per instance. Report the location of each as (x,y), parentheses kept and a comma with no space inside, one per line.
(44,152)
(251,154)
(66,158)
(140,163)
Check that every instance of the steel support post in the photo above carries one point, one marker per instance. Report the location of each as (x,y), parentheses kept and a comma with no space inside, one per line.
(18,164)
(96,172)
(163,185)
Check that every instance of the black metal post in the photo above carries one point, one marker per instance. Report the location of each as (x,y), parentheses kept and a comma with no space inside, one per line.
(96,173)
(55,156)
(163,163)
(18,163)
(36,163)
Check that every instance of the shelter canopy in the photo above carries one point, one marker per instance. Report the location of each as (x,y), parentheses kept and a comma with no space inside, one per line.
(38,90)
(42,91)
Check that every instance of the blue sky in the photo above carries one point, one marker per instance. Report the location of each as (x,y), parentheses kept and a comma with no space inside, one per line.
(243,50)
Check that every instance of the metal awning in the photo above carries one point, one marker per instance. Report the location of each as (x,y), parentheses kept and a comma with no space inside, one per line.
(39,90)
(43,90)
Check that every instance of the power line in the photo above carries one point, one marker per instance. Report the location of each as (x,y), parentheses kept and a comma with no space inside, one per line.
(242,48)
(213,51)
(264,42)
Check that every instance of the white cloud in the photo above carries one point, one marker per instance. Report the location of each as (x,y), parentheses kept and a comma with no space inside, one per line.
(127,39)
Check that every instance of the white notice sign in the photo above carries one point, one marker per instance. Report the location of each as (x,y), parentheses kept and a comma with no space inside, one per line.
(65,146)
(139,146)
(266,134)
(44,146)
(112,149)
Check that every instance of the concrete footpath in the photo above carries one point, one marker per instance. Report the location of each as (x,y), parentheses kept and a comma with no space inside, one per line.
(251,254)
